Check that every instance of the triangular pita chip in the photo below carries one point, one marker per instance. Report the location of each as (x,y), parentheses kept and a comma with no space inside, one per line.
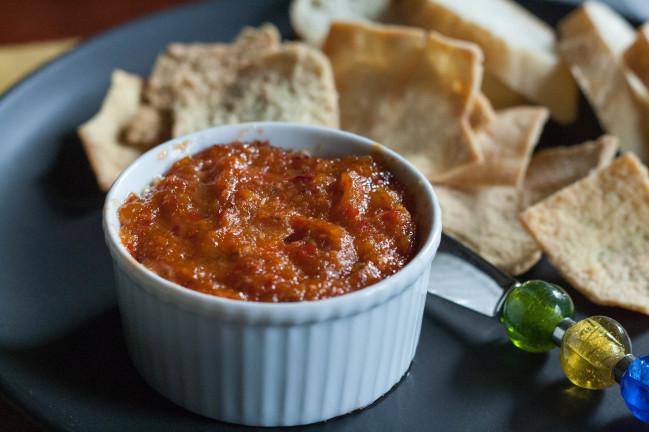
(506,144)
(485,219)
(595,232)
(102,135)
(636,56)
(554,168)
(482,112)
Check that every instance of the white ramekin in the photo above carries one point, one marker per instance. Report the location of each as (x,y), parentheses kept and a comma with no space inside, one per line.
(272,364)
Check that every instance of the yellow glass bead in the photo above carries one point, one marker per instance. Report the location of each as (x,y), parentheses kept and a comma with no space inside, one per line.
(590,349)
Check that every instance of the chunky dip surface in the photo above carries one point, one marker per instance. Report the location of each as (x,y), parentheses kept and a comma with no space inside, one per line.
(253,222)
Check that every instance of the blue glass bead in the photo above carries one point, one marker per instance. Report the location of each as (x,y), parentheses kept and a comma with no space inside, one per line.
(635,388)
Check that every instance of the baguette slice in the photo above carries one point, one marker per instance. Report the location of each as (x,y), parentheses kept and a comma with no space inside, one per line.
(311,19)
(519,48)
(636,56)
(595,233)
(593,39)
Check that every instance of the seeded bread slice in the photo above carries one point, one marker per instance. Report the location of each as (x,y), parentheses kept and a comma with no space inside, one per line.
(191,71)
(595,232)
(187,75)
(519,48)
(293,84)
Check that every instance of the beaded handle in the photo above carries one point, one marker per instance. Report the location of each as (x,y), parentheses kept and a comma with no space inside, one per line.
(595,352)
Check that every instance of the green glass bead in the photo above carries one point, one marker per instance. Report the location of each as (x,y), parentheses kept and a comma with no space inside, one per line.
(531,311)
(590,350)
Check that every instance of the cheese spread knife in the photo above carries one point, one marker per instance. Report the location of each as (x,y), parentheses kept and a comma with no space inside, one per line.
(460,275)
(537,315)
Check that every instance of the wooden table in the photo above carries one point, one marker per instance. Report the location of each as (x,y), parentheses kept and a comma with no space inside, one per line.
(35,31)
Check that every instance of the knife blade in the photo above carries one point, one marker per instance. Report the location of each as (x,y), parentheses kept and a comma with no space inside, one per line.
(463,277)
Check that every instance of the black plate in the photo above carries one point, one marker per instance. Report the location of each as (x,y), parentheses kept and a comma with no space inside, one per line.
(62,356)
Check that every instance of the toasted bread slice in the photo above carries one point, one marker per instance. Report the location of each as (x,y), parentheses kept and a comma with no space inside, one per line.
(595,232)
(102,135)
(408,89)
(554,168)
(636,56)
(592,40)
(519,48)
(311,19)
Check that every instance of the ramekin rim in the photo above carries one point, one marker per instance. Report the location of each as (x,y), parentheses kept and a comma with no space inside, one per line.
(411,270)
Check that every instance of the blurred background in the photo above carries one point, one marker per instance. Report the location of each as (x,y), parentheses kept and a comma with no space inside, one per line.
(34,31)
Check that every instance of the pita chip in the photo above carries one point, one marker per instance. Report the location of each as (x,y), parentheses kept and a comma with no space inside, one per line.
(554,168)
(102,135)
(409,89)
(595,233)
(485,219)
(636,56)
(592,40)
(482,112)
(506,144)
(519,48)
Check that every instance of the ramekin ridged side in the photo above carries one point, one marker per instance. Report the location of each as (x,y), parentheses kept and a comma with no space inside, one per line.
(272,364)
(270,375)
